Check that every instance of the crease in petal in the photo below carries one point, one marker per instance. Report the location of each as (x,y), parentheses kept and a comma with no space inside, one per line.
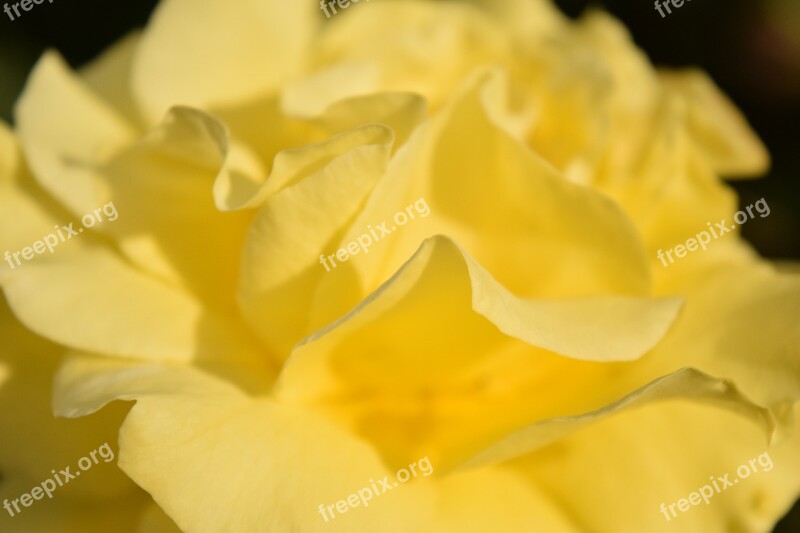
(436,359)
(179,162)
(567,240)
(27,212)
(318,190)
(595,329)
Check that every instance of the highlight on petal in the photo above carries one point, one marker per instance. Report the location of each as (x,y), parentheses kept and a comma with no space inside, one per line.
(499,200)
(67,132)
(57,300)
(109,76)
(592,329)
(179,163)
(266,49)
(401,112)
(292,166)
(340,124)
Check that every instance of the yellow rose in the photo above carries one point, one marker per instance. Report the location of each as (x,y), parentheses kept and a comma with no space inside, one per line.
(36,447)
(412,249)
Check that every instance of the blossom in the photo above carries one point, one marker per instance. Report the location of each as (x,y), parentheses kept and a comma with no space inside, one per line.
(523,337)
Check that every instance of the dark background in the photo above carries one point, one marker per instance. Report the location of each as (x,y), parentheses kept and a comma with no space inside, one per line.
(750,47)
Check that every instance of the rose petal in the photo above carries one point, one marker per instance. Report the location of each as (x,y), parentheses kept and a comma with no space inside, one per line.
(717,128)
(182,416)
(685,384)
(35,442)
(109,76)
(615,475)
(497,199)
(66,131)
(438,358)
(271,33)
(317,190)
(178,163)
(57,299)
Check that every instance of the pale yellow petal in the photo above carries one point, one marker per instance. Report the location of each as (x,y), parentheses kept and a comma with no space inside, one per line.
(295,460)
(34,442)
(615,475)
(27,212)
(496,198)
(109,76)
(739,322)
(421,47)
(686,384)
(717,128)
(66,132)
(317,191)
(438,359)
(189,56)
(120,311)
(168,224)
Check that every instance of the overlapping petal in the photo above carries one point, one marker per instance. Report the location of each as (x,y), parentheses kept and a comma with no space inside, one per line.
(34,443)
(190,431)
(660,454)
(266,50)
(443,342)
(519,333)
(67,132)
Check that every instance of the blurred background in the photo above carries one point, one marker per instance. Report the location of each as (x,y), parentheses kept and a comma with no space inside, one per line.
(750,47)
